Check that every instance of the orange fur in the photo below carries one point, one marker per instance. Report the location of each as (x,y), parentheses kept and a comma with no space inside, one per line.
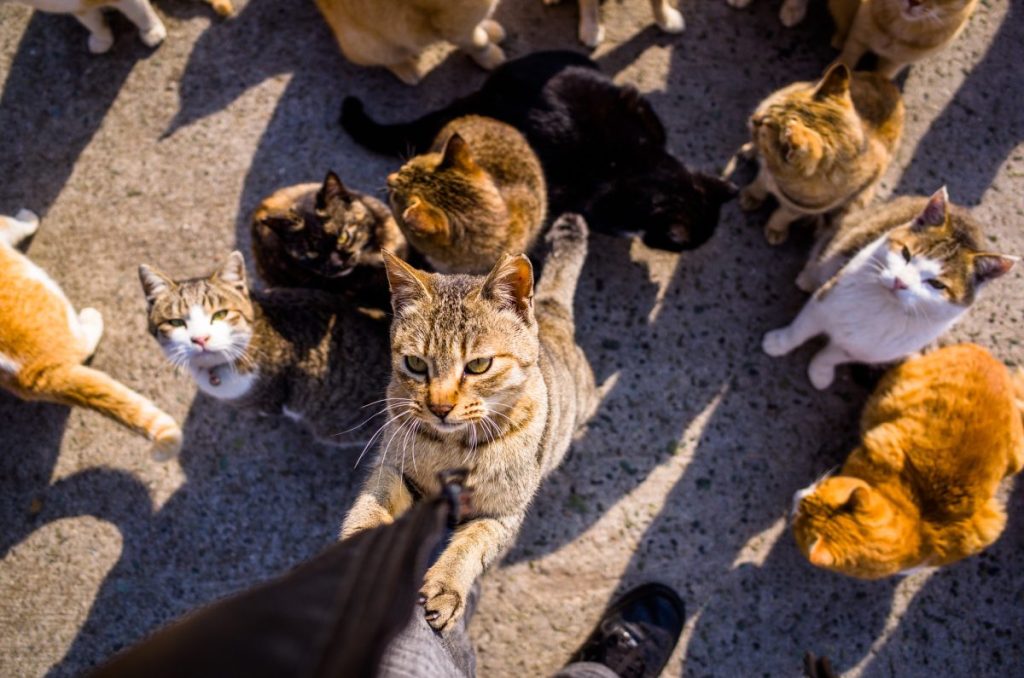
(939,435)
(43,343)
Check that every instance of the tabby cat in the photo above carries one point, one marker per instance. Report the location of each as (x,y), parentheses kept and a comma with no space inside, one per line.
(889,282)
(822,146)
(90,14)
(938,436)
(900,32)
(303,354)
(486,376)
(601,145)
(393,33)
(591,32)
(325,236)
(43,343)
(477,194)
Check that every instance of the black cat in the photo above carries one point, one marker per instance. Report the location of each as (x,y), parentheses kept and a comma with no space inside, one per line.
(602,147)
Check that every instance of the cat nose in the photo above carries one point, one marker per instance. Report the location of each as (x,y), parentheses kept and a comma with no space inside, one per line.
(898,284)
(200,341)
(441,409)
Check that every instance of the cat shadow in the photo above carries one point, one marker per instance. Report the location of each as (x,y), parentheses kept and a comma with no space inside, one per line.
(54,99)
(281,489)
(975,134)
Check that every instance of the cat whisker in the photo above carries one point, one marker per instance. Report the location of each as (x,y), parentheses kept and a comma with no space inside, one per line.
(377,434)
(361,424)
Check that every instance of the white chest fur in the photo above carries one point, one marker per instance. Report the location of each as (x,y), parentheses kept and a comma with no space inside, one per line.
(222,382)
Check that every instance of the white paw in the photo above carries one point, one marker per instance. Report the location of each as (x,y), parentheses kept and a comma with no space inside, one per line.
(673,21)
(806,282)
(154,36)
(494,30)
(490,58)
(91,318)
(792,12)
(738,4)
(821,374)
(774,343)
(100,43)
(591,33)
(29,222)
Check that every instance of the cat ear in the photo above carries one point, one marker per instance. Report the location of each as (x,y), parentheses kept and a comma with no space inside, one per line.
(232,271)
(637,104)
(820,555)
(456,155)
(332,191)
(154,283)
(936,212)
(991,266)
(859,499)
(407,284)
(835,83)
(424,219)
(510,284)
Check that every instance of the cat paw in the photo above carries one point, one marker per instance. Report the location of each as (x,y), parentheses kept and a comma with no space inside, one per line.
(775,344)
(591,33)
(92,328)
(806,282)
(672,21)
(775,235)
(750,199)
(792,12)
(489,57)
(738,4)
(495,31)
(101,42)
(154,35)
(443,602)
(821,374)
(222,7)
(568,232)
(167,443)
(406,72)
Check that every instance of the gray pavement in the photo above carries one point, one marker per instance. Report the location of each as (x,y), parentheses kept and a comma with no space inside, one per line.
(686,473)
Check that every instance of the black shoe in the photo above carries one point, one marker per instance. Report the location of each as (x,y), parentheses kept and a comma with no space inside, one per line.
(637,634)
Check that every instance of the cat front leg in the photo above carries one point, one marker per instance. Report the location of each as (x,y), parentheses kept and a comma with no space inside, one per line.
(384,497)
(783,340)
(479,46)
(668,18)
(591,30)
(753,194)
(141,13)
(407,71)
(13,230)
(776,231)
(100,37)
(474,546)
(853,51)
(822,369)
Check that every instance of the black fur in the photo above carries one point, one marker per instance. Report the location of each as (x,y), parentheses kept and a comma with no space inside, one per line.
(602,147)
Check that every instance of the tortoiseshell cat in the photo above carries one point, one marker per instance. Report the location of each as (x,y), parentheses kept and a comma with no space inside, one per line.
(938,436)
(477,194)
(486,375)
(890,280)
(326,237)
(304,354)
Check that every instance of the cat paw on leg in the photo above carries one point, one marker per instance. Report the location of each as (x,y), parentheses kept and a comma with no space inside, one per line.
(443,601)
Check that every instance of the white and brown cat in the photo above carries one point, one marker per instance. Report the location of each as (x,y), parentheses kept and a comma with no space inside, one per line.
(43,343)
(90,14)
(394,33)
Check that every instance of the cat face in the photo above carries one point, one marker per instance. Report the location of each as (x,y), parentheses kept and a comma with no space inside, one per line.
(202,322)
(933,264)
(461,345)
(799,132)
(328,240)
(844,525)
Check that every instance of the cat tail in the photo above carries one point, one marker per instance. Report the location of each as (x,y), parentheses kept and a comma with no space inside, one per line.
(400,139)
(95,390)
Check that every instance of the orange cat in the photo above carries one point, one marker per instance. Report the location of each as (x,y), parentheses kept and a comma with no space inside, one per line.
(938,436)
(43,343)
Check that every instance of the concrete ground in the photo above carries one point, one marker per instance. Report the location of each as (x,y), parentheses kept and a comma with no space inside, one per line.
(686,472)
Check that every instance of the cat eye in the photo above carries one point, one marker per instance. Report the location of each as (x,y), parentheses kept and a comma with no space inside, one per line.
(937,284)
(219,315)
(415,364)
(906,254)
(479,366)
(176,322)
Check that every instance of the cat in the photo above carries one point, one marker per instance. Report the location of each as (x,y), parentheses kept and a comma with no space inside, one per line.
(938,436)
(601,145)
(477,194)
(43,343)
(393,33)
(890,280)
(486,376)
(899,32)
(304,354)
(822,147)
(90,14)
(591,32)
(326,236)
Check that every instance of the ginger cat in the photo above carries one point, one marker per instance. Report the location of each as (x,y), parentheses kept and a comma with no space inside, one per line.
(822,146)
(890,280)
(486,376)
(479,193)
(393,33)
(43,343)
(139,12)
(899,32)
(591,31)
(938,436)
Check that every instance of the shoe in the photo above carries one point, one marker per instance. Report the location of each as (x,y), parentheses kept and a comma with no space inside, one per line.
(637,634)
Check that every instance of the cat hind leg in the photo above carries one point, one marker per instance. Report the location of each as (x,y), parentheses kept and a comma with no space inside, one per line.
(91,324)
(668,18)
(567,239)
(140,12)
(822,368)
(100,37)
